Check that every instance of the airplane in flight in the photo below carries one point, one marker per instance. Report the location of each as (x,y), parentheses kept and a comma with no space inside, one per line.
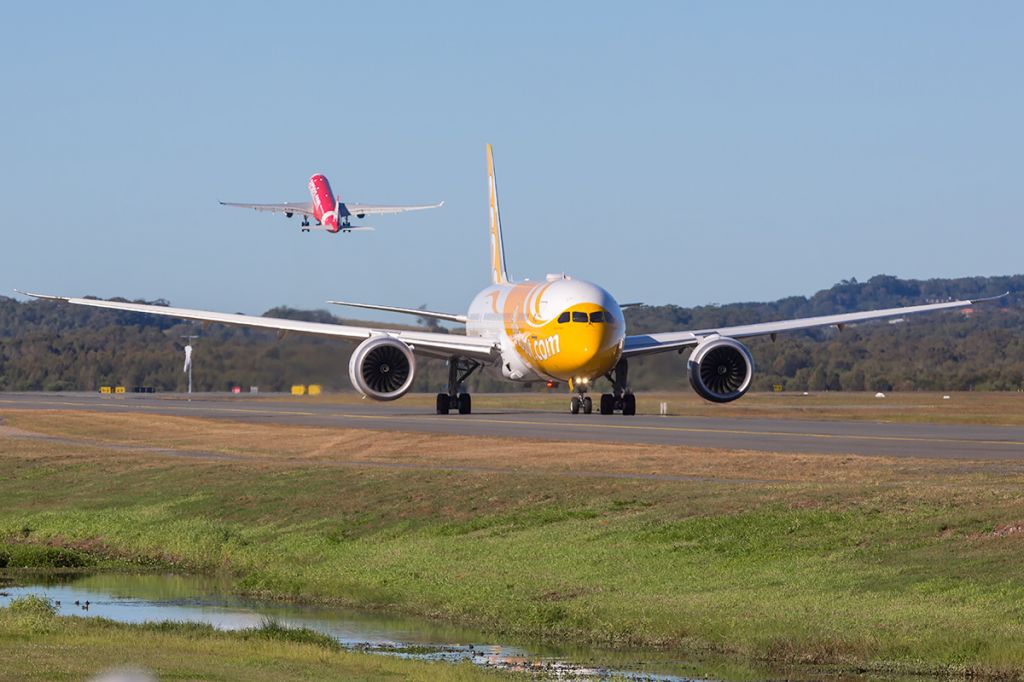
(558,330)
(328,210)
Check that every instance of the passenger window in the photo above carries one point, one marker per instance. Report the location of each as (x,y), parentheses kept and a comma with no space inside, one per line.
(563,318)
(597,317)
(579,317)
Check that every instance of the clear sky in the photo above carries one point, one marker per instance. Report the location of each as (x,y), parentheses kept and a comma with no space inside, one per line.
(674,152)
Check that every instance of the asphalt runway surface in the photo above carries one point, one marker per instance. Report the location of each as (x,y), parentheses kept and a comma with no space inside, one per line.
(765,435)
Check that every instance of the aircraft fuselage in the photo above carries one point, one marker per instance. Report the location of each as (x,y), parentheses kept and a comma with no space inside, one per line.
(559,329)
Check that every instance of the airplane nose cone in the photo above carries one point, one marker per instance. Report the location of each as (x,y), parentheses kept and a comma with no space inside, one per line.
(587,350)
(600,350)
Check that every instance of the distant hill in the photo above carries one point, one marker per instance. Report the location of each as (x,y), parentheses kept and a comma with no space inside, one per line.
(49,346)
(975,349)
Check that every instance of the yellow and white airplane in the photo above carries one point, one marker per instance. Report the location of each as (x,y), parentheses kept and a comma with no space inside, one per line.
(560,329)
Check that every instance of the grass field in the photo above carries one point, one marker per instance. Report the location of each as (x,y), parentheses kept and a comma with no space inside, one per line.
(848,562)
(960,408)
(37,645)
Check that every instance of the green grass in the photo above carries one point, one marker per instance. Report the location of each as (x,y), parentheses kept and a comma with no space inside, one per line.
(33,556)
(35,644)
(855,563)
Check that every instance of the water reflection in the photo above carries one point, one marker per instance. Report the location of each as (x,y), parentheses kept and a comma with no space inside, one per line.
(151,597)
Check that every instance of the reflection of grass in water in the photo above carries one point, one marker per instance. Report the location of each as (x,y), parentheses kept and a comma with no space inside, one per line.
(841,561)
(35,644)
(153,587)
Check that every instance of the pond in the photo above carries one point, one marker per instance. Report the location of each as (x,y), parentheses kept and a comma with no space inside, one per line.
(142,598)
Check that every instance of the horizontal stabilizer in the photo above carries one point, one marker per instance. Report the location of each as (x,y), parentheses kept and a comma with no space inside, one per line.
(450,317)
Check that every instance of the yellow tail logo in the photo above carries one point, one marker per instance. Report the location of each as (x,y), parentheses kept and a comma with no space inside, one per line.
(498,273)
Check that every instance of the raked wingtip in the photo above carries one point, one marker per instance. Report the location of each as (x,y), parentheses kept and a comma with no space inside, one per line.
(990,298)
(47,297)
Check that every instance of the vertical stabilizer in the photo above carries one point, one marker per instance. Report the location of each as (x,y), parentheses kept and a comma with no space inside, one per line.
(498,273)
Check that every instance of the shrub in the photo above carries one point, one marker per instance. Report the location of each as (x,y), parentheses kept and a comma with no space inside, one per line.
(33,605)
(36,556)
(273,629)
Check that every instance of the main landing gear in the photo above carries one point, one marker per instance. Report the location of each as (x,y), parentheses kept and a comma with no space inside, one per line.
(304,224)
(459,370)
(621,398)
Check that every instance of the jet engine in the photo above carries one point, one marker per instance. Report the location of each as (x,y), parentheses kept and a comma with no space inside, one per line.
(382,368)
(720,369)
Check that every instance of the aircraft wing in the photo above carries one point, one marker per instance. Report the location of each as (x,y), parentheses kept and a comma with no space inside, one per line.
(644,344)
(430,344)
(450,317)
(300,207)
(377,209)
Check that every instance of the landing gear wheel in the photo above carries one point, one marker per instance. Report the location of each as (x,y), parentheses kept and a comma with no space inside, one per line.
(574,405)
(629,404)
(588,405)
(459,369)
(607,403)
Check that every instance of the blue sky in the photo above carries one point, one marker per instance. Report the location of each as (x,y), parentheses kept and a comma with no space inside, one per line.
(673,152)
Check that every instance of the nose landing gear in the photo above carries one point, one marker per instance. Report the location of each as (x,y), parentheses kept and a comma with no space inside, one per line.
(581,402)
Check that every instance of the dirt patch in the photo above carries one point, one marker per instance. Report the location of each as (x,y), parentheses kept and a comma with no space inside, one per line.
(1005,530)
(23,434)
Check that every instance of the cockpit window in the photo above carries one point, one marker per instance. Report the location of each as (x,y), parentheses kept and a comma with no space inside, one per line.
(579,317)
(597,317)
(563,318)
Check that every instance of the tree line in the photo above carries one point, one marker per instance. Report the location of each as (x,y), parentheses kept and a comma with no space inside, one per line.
(50,346)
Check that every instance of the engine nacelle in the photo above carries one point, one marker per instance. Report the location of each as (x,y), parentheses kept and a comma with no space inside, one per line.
(382,368)
(720,369)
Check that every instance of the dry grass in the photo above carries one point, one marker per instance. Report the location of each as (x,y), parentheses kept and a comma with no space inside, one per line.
(916,407)
(281,445)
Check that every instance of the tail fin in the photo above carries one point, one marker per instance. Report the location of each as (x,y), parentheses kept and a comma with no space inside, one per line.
(498,273)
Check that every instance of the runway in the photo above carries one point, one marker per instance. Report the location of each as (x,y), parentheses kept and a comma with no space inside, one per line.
(800,436)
